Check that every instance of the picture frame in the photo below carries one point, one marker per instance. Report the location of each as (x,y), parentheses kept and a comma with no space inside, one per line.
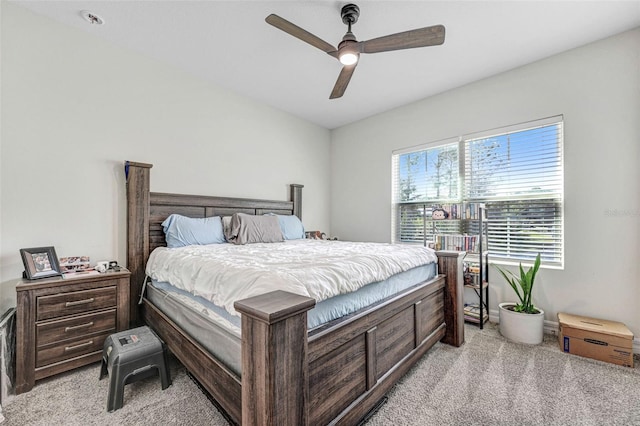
(40,262)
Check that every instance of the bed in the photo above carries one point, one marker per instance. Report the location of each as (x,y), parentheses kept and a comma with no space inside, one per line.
(335,373)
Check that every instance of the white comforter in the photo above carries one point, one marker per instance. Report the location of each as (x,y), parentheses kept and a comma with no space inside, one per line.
(224,273)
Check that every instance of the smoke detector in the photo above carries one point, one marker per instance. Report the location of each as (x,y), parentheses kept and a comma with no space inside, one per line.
(91,17)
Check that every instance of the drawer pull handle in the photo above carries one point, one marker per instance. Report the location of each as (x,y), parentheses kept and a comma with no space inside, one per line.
(75,327)
(82,345)
(79,302)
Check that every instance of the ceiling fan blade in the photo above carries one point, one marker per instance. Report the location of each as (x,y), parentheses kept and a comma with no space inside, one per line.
(422,37)
(301,34)
(343,81)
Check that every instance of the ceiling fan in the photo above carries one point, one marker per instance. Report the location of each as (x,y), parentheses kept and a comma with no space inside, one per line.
(349,49)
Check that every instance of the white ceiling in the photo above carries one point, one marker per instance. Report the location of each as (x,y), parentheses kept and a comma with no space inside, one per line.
(230,44)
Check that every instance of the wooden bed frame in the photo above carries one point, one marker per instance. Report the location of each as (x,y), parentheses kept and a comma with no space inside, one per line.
(333,375)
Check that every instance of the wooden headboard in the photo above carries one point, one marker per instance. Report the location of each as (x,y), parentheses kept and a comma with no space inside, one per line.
(147,210)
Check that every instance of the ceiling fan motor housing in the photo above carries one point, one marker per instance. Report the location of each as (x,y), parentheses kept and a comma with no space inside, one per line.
(350,14)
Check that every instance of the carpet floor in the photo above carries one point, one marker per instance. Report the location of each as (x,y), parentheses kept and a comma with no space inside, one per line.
(487,381)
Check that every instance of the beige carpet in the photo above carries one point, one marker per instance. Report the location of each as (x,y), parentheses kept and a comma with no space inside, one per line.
(78,398)
(488,381)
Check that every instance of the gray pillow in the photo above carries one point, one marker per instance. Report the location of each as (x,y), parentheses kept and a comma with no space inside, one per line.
(247,229)
(226,227)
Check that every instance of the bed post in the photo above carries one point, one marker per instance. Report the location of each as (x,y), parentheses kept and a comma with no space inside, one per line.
(137,177)
(275,371)
(450,264)
(296,198)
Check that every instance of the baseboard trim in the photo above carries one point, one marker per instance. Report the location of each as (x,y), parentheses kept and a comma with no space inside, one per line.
(551,327)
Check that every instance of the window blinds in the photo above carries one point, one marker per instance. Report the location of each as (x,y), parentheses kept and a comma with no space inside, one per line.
(519,176)
(517,171)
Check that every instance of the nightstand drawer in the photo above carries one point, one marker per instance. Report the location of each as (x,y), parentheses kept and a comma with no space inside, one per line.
(59,305)
(70,349)
(72,328)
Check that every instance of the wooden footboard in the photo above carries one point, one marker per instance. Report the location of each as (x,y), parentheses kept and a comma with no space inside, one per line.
(336,374)
(352,365)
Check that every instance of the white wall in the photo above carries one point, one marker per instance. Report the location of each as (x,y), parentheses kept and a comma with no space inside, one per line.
(74,108)
(597,89)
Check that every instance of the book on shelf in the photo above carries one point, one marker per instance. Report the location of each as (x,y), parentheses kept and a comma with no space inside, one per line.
(456,242)
(472,313)
(469,211)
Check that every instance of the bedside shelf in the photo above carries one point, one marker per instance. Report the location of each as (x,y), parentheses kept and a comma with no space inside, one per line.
(463,227)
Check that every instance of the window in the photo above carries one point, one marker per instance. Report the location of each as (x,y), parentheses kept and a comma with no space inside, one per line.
(515,171)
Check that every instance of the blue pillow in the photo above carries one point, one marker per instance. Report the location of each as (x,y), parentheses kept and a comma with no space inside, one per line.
(183,231)
(291,226)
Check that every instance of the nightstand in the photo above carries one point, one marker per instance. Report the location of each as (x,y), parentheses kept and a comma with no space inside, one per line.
(62,323)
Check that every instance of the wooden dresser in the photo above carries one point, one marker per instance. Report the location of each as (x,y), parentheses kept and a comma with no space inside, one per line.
(62,323)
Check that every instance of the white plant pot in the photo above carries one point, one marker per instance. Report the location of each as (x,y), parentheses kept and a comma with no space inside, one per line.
(519,327)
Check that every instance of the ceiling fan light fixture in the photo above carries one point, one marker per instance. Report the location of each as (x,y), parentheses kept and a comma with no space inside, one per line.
(348,58)
(348,52)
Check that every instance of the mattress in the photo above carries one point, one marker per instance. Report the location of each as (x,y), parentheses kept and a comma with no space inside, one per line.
(218,331)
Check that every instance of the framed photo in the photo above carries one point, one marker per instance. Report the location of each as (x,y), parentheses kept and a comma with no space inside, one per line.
(40,262)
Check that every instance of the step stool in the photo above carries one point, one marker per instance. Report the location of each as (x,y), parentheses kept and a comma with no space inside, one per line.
(132,355)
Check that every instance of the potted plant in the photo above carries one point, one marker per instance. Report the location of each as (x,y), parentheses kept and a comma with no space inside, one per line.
(521,322)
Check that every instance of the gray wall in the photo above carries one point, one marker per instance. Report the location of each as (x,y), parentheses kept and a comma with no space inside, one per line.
(597,89)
